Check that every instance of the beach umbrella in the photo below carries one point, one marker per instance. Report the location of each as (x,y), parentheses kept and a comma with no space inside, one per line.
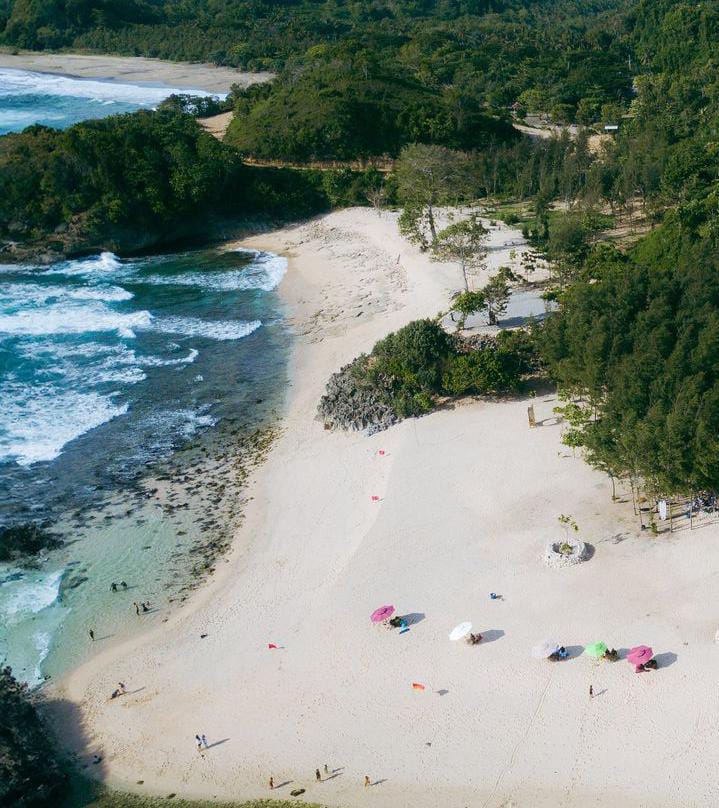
(640,654)
(383,613)
(545,649)
(596,649)
(460,631)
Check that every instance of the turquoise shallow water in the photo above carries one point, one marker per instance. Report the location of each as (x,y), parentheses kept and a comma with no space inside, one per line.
(125,388)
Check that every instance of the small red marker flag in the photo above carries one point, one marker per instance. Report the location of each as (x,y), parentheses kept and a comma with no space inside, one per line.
(375,498)
(381,453)
(417,686)
(271,645)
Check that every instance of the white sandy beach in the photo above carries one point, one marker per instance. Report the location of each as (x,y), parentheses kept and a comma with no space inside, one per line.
(469,498)
(133,70)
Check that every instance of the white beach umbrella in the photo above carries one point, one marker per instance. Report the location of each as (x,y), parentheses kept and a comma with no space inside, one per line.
(545,649)
(460,631)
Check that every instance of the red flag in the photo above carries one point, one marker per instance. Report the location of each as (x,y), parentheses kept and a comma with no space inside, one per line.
(272,645)
(417,686)
(375,498)
(381,453)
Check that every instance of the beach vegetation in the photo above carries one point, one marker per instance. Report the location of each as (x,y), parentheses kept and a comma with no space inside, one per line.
(464,242)
(466,304)
(496,295)
(117,799)
(32,774)
(415,369)
(428,176)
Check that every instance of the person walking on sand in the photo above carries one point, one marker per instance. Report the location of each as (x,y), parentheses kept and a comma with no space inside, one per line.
(327,771)
(366,780)
(113,587)
(137,609)
(92,635)
(199,743)
(122,687)
(318,776)
(204,741)
(272,783)
(591,691)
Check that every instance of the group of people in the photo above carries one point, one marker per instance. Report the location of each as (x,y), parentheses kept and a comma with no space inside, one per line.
(318,778)
(144,606)
(113,586)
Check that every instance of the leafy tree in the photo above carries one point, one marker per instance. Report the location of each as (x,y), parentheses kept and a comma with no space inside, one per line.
(497,293)
(427,176)
(463,242)
(467,303)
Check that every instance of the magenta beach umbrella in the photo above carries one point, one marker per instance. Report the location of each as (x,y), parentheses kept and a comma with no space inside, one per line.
(383,613)
(640,655)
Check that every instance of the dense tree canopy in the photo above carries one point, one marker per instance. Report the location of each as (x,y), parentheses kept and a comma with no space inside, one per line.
(560,53)
(638,340)
(132,181)
(346,103)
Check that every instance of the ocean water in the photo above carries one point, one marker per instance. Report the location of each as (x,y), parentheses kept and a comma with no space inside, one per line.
(111,370)
(27,98)
(128,390)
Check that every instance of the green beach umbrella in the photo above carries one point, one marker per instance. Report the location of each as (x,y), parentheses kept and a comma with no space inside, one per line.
(596,650)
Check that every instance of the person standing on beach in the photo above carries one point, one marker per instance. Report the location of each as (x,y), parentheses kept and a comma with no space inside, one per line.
(137,609)
(122,687)
(204,741)
(591,691)
(272,783)
(327,771)
(366,780)
(199,743)
(318,776)
(113,587)
(92,635)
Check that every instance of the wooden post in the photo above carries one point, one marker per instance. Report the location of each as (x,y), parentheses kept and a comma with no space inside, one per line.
(671,515)
(531,417)
(691,512)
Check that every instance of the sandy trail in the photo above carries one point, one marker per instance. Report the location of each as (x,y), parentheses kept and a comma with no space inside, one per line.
(469,498)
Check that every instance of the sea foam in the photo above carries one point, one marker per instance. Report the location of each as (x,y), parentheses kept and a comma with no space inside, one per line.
(73,318)
(218,330)
(36,427)
(15,82)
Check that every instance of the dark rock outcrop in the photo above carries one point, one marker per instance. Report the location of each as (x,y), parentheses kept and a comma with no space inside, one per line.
(350,405)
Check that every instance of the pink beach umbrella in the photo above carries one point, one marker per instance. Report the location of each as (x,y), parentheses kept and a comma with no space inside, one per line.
(640,655)
(383,613)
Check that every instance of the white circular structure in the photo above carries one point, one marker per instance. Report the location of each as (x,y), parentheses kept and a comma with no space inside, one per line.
(566,553)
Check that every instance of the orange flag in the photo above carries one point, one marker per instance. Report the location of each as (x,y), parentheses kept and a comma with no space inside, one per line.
(417,686)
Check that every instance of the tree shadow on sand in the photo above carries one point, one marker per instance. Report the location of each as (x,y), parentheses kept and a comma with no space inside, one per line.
(86,759)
